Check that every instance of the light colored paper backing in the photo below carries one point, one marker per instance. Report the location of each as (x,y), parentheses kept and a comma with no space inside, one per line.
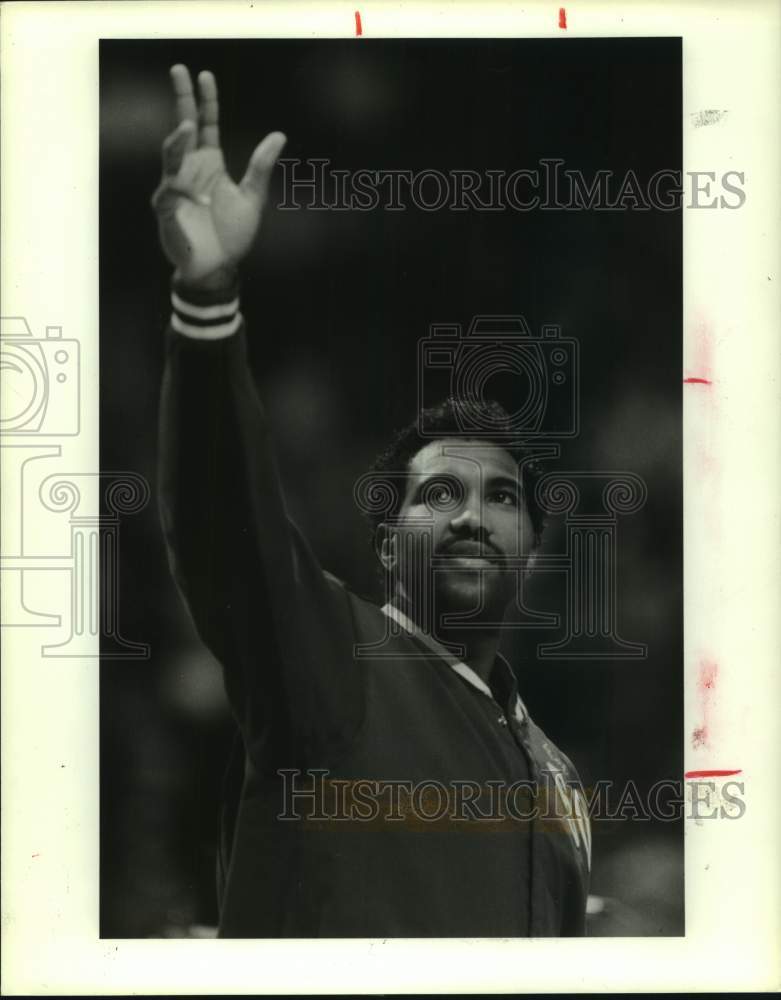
(731,282)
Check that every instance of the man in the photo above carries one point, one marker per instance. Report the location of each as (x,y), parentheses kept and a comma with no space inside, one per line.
(389,778)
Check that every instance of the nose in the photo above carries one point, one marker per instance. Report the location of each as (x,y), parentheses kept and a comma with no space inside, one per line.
(467,519)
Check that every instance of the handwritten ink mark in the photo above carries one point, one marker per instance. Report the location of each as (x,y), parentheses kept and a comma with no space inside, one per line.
(709,116)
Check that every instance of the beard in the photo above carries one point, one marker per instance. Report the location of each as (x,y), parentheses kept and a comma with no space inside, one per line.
(465,579)
(477,592)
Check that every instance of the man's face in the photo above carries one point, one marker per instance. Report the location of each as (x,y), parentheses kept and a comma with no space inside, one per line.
(463,517)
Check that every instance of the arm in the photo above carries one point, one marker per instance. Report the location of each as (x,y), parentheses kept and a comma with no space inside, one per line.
(281,630)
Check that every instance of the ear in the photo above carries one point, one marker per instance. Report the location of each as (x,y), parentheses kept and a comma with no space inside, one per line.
(385,542)
(530,563)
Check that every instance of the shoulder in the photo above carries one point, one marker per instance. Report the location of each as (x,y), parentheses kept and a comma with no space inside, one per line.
(363,608)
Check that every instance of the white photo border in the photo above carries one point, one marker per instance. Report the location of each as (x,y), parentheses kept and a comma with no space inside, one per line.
(50,845)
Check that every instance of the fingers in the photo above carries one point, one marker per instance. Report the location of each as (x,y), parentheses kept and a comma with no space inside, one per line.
(186,109)
(208,115)
(256,180)
(175,147)
(209,111)
(184,138)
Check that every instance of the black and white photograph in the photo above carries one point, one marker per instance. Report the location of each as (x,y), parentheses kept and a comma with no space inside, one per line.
(389,562)
(412,581)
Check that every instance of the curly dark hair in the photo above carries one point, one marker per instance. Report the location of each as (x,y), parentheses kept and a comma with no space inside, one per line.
(445,420)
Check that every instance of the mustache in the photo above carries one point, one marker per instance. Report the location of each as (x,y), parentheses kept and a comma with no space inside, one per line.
(470,548)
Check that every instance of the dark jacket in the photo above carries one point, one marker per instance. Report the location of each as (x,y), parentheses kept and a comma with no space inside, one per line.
(306,697)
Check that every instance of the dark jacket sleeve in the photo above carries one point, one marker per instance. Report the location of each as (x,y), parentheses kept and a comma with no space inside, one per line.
(280,627)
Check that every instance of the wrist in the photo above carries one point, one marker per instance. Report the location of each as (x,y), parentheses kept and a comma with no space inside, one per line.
(205,313)
(222,279)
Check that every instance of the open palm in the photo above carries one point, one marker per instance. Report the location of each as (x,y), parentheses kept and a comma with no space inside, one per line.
(207,222)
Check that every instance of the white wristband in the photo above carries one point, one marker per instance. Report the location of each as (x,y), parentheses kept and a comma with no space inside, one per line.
(205,322)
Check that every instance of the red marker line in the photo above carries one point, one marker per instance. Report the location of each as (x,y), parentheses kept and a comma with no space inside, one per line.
(697,381)
(710,774)
(358,27)
(562,17)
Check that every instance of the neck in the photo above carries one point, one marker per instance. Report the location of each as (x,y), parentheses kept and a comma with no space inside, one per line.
(480,648)
(479,645)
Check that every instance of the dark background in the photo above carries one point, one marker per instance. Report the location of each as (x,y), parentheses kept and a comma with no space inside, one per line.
(336,303)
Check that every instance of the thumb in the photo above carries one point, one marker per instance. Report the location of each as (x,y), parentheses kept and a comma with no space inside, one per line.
(256,180)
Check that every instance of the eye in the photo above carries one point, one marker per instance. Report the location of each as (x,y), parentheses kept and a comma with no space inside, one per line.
(440,494)
(504,497)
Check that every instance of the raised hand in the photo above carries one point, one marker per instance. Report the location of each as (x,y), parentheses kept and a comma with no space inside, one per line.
(207,222)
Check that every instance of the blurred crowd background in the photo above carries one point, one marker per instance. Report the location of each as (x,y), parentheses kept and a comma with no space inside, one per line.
(336,303)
